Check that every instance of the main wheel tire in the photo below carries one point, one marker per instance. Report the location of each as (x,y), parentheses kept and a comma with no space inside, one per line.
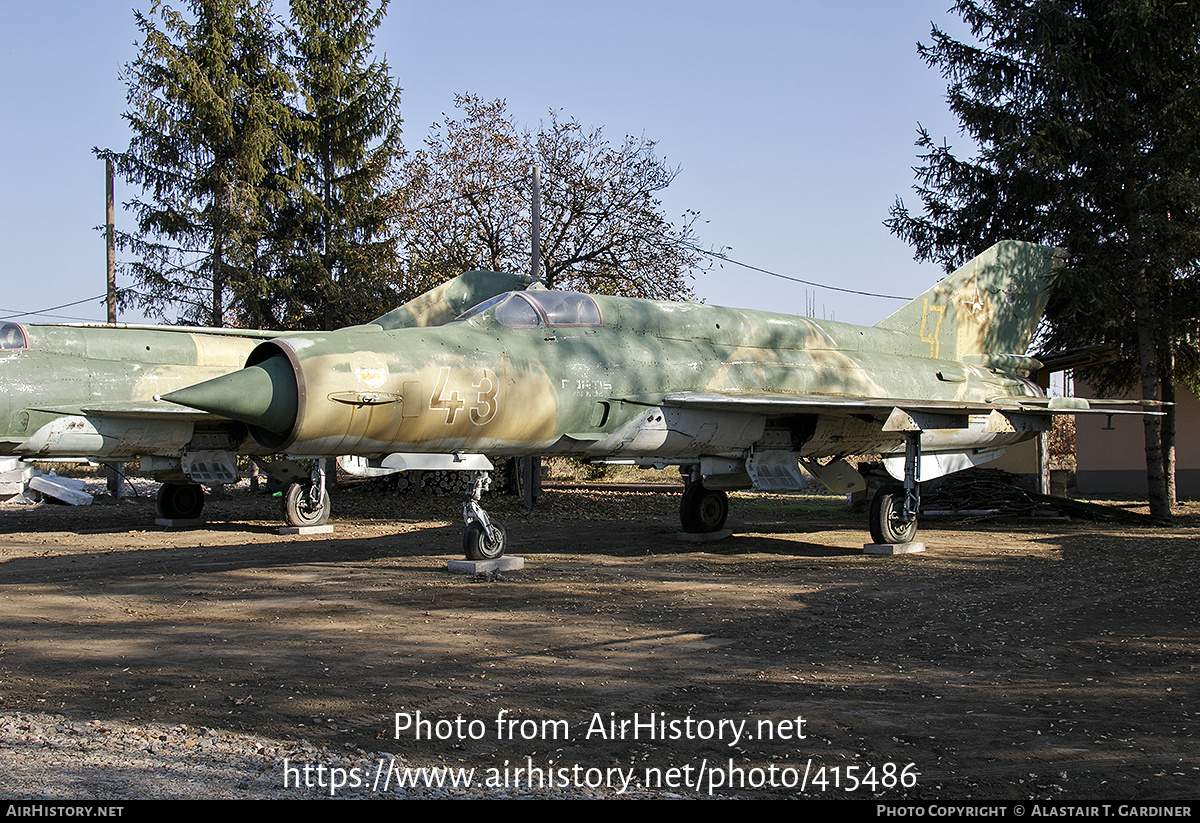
(298,510)
(477,546)
(887,517)
(180,501)
(703,510)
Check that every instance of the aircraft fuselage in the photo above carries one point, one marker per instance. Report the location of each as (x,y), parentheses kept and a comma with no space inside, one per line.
(480,385)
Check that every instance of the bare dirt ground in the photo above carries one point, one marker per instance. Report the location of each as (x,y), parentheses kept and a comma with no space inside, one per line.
(1015,659)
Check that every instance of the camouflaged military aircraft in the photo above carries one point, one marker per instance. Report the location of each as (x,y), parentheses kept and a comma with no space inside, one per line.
(72,391)
(736,399)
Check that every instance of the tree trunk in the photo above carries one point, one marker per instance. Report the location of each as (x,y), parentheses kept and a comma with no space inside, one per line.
(218,285)
(1167,383)
(1155,479)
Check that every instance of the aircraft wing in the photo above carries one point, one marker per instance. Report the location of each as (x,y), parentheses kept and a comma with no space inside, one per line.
(145,409)
(212,331)
(778,403)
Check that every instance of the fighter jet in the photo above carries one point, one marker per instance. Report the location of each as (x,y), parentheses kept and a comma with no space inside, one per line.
(71,391)
(737,399)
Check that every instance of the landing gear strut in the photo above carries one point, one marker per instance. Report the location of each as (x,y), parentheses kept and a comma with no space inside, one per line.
(482,539)
(894,508)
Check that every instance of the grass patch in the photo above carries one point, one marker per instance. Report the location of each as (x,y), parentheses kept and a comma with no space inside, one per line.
(574,469)
(823,505)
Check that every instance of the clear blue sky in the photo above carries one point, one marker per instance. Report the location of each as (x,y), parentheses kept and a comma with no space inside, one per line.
(793,123)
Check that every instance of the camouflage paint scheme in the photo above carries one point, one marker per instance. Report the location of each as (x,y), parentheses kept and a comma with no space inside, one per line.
(58,390)
(87,391)
(657,379)
(445,302)
(738,397)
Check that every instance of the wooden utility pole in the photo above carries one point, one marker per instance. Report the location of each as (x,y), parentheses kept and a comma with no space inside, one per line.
(116,480)
(530,468)
(110,238)
(535,253)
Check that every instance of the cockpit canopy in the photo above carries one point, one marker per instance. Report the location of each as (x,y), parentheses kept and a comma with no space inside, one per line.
(12,336)
(533,309)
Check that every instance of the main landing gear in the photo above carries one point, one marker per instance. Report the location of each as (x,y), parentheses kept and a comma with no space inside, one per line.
(894,508)
(299,507)
(483,539)
(307,503)
(702,510)
(180,501)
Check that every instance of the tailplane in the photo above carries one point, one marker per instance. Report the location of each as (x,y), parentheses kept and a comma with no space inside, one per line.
(991,305)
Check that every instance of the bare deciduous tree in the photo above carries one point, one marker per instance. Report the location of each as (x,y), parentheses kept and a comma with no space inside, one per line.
(603,229)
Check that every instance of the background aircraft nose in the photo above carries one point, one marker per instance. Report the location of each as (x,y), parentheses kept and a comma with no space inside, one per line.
(263,395)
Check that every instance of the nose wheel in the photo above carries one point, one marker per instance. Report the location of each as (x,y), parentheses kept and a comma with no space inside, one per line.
(479,545)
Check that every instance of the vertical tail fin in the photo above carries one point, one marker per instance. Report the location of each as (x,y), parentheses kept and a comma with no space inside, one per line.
(991,305)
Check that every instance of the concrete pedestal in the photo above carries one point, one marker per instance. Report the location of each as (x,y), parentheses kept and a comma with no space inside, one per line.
(326,529)
(500,564)
(180,522)
(893,548)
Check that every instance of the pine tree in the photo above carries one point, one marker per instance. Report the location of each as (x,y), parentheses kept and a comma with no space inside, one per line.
(206,106)
(335,240)
(1086,114)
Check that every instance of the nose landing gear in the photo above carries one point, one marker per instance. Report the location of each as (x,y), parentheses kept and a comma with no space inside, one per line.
(483,539)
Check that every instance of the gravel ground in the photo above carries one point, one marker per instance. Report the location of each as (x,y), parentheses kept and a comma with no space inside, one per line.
(1015,659)
(51,757)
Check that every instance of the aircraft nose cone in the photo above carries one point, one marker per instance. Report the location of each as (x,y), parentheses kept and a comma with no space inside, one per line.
(263,395)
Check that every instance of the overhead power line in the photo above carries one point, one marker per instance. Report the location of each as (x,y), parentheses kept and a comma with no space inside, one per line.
(16,313)
(726,259)
(716,255)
